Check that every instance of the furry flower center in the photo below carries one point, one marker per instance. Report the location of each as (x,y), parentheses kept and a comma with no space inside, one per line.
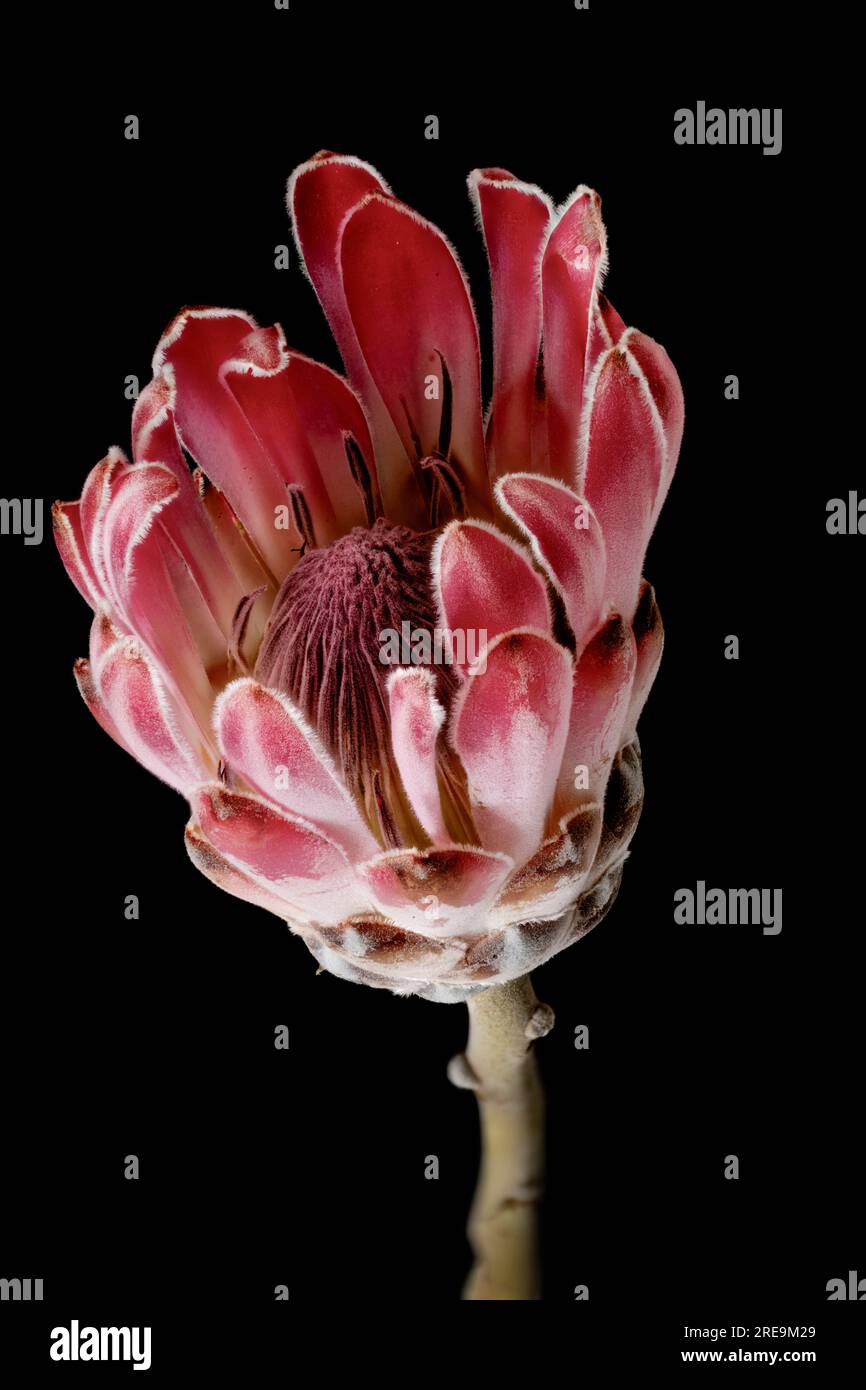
(322,648)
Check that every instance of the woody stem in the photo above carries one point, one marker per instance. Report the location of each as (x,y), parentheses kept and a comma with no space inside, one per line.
(500,1067)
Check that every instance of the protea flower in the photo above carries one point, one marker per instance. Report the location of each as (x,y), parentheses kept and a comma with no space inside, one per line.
(436,828)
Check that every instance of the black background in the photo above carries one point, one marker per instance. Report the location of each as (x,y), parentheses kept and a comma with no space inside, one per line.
(156,1037)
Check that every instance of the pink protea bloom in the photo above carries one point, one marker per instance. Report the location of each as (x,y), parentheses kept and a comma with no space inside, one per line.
(436,828)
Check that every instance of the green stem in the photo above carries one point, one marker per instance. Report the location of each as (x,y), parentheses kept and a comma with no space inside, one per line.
(500,1067)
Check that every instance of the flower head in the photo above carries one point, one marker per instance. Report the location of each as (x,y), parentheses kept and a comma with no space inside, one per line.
(393,655)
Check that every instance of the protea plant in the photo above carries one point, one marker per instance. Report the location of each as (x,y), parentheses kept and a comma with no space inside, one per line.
(440,816)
